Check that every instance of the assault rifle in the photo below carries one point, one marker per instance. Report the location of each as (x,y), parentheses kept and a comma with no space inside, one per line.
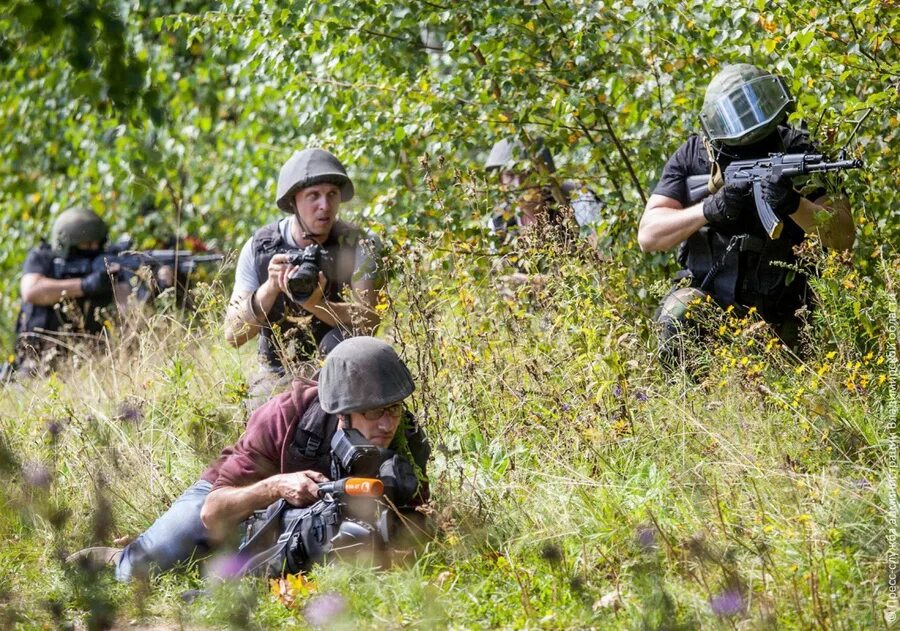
(779,164)
(124,264)
(121,260)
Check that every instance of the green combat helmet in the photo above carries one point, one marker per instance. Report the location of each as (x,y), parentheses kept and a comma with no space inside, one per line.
(507,153)
(74,226)
(363,373)
(308,168)
(744,104)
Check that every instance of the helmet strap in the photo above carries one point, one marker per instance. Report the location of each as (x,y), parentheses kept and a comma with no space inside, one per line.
(307,234)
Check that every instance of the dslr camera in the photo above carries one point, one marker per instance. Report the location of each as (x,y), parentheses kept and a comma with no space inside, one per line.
(302,282)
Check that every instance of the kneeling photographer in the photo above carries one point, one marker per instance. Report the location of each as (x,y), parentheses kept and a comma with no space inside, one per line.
(306,281)
(351,423)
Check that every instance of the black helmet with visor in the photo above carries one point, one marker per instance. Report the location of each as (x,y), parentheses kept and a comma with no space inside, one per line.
(744,104)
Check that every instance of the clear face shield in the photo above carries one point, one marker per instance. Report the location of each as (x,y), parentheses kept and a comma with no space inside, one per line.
(733,118)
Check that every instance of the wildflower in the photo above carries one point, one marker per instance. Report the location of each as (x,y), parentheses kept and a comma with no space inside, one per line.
(54,428)
(129,412)
(646,538)
(226,566)
(728,603)
(552,554)
(323,610)
(37,475)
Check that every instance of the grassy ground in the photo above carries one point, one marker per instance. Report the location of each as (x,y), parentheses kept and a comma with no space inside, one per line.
(576,483)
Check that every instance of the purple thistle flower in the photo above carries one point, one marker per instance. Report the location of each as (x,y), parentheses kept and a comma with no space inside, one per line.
(728,603)
(640,395)
(54,428)
(322,610)
(226,566)
(37,475)
(646,538)
(129,412)
(617,391)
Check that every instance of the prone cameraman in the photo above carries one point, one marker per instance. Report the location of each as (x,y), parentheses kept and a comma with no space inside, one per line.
(284,452)
(312,185)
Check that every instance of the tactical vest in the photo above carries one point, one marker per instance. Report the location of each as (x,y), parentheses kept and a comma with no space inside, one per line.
(746,268)
(298,332)
(81,315)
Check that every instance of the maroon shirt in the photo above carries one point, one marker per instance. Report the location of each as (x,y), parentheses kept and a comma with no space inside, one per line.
(260,451)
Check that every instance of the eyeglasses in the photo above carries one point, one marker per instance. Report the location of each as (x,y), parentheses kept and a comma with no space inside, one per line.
(394,411)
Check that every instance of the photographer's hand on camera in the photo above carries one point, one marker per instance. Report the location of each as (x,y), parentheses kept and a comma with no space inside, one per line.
(316,298)
(276,283)
(300,488)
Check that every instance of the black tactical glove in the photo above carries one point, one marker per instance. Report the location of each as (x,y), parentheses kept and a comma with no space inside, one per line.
(724,208)
(781,196)
(97,284)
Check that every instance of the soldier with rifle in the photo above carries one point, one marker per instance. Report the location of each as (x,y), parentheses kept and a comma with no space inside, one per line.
(727,199)
(64,300)
(297,452)
(70,286)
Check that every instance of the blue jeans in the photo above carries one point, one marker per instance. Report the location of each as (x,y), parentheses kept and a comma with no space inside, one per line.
(176,536)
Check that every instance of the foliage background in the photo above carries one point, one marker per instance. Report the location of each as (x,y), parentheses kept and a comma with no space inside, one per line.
(173,117)
(576,483)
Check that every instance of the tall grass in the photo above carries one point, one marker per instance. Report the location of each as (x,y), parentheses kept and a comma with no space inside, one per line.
(576,482)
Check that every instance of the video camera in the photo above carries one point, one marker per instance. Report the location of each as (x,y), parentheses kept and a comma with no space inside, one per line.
(353,515)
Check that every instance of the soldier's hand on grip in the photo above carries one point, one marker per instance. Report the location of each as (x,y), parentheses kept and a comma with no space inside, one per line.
(97,284)
(780,195)
(723,209)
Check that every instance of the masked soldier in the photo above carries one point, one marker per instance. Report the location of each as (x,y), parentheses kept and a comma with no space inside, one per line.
(309,243)
(530,198)
(287,450)
(64,296)
(724,250)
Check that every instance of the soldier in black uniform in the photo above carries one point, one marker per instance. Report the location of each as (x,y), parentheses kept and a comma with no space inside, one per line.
(62,304)
(744,116)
